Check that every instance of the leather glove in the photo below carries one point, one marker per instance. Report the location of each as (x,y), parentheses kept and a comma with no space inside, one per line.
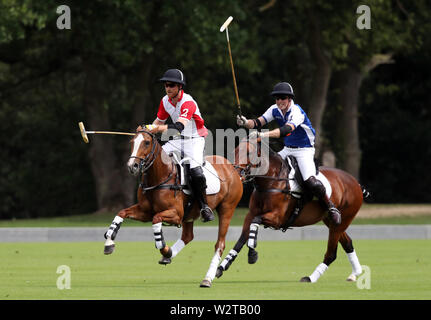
(241,121)
(148,127)
(152,128)
(254,135)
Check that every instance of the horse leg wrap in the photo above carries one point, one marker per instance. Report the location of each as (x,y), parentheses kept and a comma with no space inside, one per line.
(177,247)
(354,261)
(213,266)
(113,228)
(321,268)
(252,238)
(228,260)
(257,219)
(158,236)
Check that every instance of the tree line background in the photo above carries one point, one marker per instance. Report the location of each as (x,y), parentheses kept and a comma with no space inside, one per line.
(365,91)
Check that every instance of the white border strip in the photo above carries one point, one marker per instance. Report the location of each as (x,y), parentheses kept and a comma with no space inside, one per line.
(78,234)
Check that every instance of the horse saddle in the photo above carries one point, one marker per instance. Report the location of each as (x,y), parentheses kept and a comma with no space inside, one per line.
(299,189)
(211,176)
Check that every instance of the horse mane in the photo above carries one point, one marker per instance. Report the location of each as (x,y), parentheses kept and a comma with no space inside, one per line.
(284,165)
(274,154)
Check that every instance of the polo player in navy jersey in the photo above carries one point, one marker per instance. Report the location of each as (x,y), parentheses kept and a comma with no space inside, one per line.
(298,136)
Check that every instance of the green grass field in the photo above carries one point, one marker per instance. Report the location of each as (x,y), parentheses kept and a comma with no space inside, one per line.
(104,219)
(399,270)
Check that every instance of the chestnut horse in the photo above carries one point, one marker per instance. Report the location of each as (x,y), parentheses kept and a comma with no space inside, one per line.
(269,205)
(161,200)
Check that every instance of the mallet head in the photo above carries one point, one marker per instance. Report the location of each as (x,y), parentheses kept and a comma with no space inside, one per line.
(83,132)
(226,23)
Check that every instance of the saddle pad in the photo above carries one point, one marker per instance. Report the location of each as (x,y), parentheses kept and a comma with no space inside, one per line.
(326,183)
(213,181)
(320,176)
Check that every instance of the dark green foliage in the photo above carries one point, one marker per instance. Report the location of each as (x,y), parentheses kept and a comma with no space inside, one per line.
(46,168)
(395,131)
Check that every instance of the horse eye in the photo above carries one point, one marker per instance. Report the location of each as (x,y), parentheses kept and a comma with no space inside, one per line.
(147,143)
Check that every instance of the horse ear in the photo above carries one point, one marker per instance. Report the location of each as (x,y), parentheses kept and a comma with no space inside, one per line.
(139,128)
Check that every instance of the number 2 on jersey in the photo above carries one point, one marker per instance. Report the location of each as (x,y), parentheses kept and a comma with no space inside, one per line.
(185,112)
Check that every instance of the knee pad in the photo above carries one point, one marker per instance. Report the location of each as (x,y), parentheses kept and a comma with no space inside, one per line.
(315,186)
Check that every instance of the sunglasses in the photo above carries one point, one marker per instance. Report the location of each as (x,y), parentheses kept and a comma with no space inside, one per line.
(170,85)
(281,97)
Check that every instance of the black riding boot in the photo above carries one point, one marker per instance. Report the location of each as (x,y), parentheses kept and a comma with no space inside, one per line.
(319,190)
(333,212)
(199,190)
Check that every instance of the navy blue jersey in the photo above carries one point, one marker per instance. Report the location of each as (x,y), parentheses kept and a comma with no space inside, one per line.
(304,134)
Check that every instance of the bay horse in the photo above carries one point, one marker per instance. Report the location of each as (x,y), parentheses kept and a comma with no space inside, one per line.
(161,199)
(269,206)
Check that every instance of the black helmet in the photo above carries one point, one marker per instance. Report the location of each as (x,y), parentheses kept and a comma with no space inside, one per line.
(174,75)
(283,88)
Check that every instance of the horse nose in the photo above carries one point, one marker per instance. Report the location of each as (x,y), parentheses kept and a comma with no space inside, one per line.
(133,168)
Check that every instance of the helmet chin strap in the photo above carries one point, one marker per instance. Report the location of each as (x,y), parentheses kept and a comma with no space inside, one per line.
(179,90)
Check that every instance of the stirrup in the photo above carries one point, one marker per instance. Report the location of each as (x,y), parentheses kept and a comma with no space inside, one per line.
(207,214)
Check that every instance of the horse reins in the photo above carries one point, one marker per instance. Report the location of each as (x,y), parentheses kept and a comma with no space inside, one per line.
(249,177)
(285,190)
(144,166)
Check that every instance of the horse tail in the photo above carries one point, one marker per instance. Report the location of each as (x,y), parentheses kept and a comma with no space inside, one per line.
(366,194)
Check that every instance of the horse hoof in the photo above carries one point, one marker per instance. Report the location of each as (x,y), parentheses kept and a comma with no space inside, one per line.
(206,283)
(351,278)
(252,257)
(305,279)
(109,249)
(219,272)
(165,261)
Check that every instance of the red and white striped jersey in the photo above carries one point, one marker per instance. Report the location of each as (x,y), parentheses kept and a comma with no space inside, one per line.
(186,108)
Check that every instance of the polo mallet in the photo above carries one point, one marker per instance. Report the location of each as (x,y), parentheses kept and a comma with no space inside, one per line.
(222,28)
(84,132)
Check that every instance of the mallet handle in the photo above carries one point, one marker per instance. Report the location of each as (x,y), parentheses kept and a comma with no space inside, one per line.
(110,132)
(234,78)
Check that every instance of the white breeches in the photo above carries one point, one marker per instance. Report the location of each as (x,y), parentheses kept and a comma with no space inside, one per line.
(305,159)
(192,148)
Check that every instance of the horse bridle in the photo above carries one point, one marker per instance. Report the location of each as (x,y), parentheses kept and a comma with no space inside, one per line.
(245,171)
(147,162)
(144,163)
